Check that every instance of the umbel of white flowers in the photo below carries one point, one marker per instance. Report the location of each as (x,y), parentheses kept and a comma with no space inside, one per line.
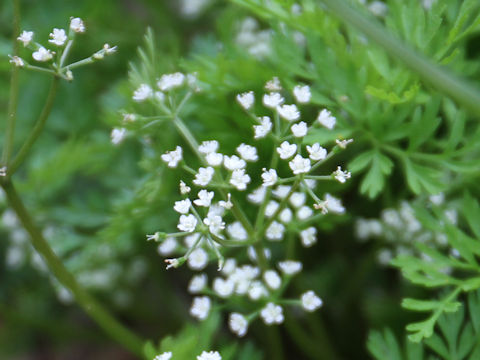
(54,58)
(210,216)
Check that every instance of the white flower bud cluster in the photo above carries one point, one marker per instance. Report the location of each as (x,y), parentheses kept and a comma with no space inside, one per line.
(399,226)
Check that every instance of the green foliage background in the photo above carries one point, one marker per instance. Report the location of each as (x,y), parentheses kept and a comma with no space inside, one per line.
(99,200)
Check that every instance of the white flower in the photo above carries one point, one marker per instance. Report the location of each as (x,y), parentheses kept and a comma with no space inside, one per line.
(204,198)
(290,267)
(341,176)
(238,324)
(182,206)
(192,239)
(3,171)
(378,8)
(272,314)
(184,189)
(333,204)
(223,288)
(167,247)
(237,231)
(281,191)
(211,355)
(187,223)
(272,279)
(273,85)
(172,158)
(297,199)
(246,99)
(269,177)
(58,37)
(239,179)
(343,143)
(310,301)
(198,259)
(208,147)
(304,213)
(273,100)
(286,150)
(25,37)
(300,129)
(257,195)
(214,159)
(263,129)
(117,135)
(289,112)
(17,61)
(214,223)
(275,231)
(164,356)
(326,119)
(302,93)
(271,207)
(247,152)
(197,283)
(229,266)
(170,81)
(233,162)
(226,204)
(285,215)
(257,290)
(172,263)
(309,236)
(200,307)
(299,165)
(142,93)
(310,183)
(109,50)
(204,176)
(316,152)
(77,25)
(42,54)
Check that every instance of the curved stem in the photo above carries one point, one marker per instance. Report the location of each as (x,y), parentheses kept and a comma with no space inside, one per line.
(96,311)
(13,99)
(438,77)
(37,129)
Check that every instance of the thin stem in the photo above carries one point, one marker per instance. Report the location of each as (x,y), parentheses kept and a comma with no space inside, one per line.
(65,53)
(96,311)
(438,77)
(37,129)
(13,98)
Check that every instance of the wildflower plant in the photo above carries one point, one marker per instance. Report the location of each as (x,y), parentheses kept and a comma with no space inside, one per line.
(250,151)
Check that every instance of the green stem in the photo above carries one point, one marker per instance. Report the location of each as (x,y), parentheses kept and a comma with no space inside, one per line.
(13,99)
(438,77)
(37,129)
(96,311)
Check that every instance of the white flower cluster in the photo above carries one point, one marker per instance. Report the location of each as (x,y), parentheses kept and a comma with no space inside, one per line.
(205,355)
(62,41)
(257,42)
(401,228)
(212,222)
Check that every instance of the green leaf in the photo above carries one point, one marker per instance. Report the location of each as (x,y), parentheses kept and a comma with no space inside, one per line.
(384,347)
(361,161)
(420,305)
(471,211)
